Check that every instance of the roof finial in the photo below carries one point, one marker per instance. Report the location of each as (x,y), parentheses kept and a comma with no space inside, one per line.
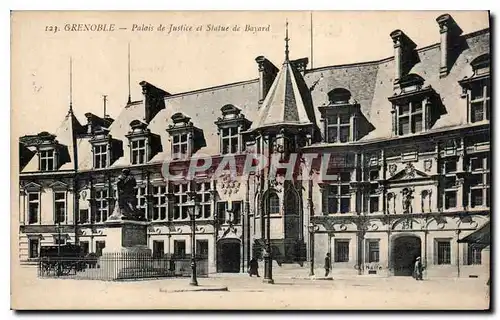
(129,98)
(70,84)
(286,40)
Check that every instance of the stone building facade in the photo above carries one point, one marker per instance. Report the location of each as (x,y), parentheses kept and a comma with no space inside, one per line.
(407,138)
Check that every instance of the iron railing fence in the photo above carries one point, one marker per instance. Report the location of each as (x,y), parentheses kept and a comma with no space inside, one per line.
(119,266)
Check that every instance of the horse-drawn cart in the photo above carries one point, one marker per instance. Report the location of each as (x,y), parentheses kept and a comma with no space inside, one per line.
(61,260)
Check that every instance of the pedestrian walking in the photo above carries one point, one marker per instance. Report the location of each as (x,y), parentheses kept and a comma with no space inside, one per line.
(418,270)
(328,264)
(253,268)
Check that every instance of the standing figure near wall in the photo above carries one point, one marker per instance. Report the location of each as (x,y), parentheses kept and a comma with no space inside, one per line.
(407,196)
(127,198)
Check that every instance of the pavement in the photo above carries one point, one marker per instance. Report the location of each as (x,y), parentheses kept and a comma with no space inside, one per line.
(239,291)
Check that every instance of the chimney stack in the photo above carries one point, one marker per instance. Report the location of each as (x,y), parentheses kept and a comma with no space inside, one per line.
(450,33)
(267,74)
(154,100)
(403,54)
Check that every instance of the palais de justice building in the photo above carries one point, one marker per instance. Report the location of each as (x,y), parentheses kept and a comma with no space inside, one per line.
(408,135)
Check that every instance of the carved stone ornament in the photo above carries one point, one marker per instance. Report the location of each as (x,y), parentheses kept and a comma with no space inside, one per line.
(410,170)
(428,165)
(392,169)
(407,224)
(228,184)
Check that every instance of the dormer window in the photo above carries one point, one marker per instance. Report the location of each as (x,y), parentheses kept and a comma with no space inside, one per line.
(47,160)
(105,149)
(338,128)
(48,151)
(230,126)
(415,108)
(180,145)
(143,144)
(410,118)
(186,138)
(477,90)
(342,118)
(100,156)
(138,151)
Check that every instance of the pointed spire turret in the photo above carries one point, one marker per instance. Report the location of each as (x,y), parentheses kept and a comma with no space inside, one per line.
(129,97)
(71,85)
(286,42)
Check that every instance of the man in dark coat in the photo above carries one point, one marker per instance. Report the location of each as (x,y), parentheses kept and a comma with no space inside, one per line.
(418,270)
(328,264)
(253,267)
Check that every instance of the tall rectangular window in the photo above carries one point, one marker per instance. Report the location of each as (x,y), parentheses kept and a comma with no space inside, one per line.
(202,248)
(101,201)
(160,203)
(479,180)
(100,156)
(142,199)
(180,248)
(84,245)
(158,248)
(99,246)
(338,196)
(33,207)
(450,187)
(33,247)
(138,150)
(374,198)
(338,128)
(443,252)
(474,254)
(203,194)
(236,208)
(229,140)
(59,207)
(373,250)
(181,204)
(341,250)
(47,161)
(480,102)
(221,212)
(83,216)
(410,118)
(180,145)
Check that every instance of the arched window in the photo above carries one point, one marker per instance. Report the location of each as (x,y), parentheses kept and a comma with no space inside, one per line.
(339,96)
(274,203)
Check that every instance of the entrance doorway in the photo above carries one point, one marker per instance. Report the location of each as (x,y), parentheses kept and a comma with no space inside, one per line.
(405,250)
(228,255)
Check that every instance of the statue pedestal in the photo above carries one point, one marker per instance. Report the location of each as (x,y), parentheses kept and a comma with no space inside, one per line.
(126,236)
(126,250)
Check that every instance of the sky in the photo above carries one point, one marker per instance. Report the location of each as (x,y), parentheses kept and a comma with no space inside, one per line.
(185,60)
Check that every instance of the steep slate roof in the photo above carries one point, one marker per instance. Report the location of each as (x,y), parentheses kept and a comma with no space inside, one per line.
(370,84)
(64,135)
(284,103)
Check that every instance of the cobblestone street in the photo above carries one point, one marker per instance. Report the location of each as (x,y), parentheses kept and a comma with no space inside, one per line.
(250,293)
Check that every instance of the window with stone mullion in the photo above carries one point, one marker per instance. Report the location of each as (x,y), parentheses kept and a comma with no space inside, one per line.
(480,102)
(47,160)
(159,203)
(410,118)
(180,145)
(479,181)
(203,194)
(338,128)
(450,188)
(338,195)
(181,201)
(138,149)
(229,140)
